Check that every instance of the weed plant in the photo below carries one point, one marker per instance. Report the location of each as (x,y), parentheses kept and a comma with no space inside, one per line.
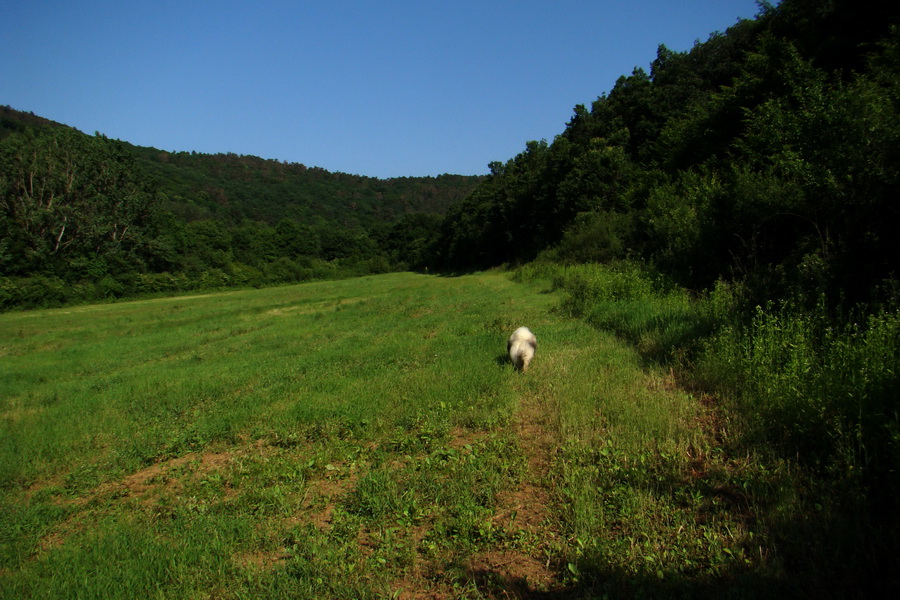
(826,392)
(827,395)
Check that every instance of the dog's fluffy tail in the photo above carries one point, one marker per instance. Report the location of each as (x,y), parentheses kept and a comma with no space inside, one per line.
(521,346)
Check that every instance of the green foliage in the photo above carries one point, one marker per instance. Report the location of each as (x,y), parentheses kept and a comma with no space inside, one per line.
(826,396)
(761,156)
(593,237)
(818,397)
(661,320)
(81,220)
(408,241)
(827,393)
(232,188)
(64,196)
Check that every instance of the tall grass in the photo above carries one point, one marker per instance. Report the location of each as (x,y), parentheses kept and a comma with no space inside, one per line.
(813,400)
(626,298)
(826,392)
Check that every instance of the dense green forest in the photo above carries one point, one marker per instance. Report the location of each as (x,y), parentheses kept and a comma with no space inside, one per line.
(767,154)
(86,218)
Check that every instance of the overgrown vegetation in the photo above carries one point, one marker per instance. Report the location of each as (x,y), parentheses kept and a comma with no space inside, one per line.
(766,155)
(811,407)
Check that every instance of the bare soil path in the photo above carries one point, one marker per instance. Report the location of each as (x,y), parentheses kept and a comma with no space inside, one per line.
(526,511)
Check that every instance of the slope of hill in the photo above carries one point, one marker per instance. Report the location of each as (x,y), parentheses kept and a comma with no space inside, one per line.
(12,120)
(78,210)
(233,187)
(766,154)
(230,187)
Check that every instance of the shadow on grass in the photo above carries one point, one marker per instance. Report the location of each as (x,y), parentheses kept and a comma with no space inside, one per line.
(612,584)
(737,583)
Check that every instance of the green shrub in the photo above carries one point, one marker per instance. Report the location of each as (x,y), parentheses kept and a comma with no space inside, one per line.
(110,287)
(594,237)
(825,393)
(661,319)
(244,275)
(214,279)
(589,284)
(39,291)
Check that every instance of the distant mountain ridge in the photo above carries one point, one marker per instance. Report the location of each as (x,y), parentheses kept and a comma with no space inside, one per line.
(231,188)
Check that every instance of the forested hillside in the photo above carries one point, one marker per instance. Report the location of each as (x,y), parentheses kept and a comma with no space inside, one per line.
(231,188)
(85,217)
(768,154)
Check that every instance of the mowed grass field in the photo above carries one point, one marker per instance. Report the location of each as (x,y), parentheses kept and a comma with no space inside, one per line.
(354,439)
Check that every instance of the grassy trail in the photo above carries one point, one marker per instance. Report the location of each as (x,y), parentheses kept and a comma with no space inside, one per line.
(363,438)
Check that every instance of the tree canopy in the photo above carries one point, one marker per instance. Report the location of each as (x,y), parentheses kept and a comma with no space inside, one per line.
(86,217)
(766,154)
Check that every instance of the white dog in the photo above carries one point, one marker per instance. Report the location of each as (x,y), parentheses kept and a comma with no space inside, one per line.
(521,346)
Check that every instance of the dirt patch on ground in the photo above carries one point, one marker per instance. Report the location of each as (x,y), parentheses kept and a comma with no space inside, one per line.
(460,438)
(525,512)
(165,476)
(323,495)
(145,485)
(529,504)
(512,574)
(162,476)
(320,498)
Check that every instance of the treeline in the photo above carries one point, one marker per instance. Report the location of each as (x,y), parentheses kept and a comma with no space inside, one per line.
(232,188)
(85,218)
(766,155)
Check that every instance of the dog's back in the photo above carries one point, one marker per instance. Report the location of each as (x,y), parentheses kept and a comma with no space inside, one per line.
(521,346)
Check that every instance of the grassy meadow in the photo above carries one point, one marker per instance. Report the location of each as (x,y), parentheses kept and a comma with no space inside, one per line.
(365,438)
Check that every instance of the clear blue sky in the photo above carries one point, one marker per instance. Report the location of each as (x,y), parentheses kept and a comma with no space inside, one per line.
(381,88)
